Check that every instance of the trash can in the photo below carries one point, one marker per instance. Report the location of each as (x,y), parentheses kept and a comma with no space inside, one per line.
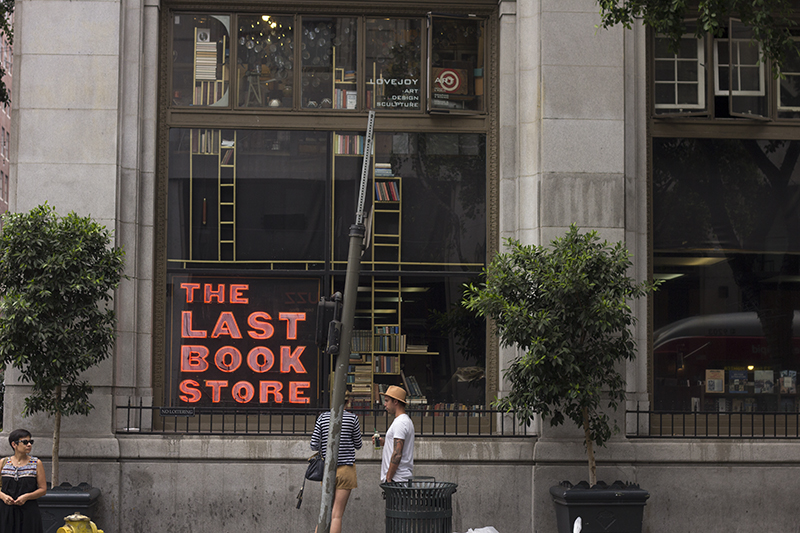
(419,506)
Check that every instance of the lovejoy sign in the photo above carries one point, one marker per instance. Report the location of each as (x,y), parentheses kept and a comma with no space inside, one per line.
(242,341)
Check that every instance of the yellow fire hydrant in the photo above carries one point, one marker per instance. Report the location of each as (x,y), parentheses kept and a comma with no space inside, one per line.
(77,523)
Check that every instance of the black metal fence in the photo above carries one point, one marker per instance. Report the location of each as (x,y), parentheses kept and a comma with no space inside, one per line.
(141,420)
(713,424)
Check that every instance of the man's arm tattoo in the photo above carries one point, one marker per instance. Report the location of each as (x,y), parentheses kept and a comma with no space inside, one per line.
(397,455)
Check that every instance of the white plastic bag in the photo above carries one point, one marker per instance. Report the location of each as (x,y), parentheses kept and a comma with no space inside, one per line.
(487,529)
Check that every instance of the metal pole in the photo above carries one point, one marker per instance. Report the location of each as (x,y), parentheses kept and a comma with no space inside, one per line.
(357,232)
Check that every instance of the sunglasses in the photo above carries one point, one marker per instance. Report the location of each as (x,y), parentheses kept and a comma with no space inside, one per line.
(25,442)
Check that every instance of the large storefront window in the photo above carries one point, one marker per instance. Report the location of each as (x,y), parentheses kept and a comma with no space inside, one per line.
(258,230)
(726,215)
(265,114)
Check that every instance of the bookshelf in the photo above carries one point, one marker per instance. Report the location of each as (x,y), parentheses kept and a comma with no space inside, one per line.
(379,344)
(345,84)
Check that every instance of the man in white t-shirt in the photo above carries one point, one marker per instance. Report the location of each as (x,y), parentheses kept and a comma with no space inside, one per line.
(397,462)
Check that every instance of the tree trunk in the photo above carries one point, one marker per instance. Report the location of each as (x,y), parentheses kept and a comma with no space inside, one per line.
(589,448)
(56,440)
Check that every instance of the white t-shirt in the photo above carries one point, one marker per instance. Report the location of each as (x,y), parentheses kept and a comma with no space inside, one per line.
(402,428)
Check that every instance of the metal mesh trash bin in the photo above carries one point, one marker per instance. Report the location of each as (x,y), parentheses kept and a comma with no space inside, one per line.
(419,506)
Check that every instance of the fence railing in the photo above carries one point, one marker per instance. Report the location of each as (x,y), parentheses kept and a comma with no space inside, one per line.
(141,419)
(713,424)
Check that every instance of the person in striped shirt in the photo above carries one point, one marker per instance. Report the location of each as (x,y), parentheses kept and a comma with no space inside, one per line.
(349,441)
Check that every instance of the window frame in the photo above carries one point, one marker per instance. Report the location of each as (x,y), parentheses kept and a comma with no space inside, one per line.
(334,120)
(701,108)
(779,108)
(768,86)
(231,103)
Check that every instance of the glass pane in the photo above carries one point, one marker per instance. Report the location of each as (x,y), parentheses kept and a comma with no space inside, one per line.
(456,77)
(325,41)
(393,64)
(247,195)
(665,93)
(748,53)
(281,195)
(200,60)
(721,47)
(662,48)
(443,195)
(688,48)
(725,221)
(750,77)
(790,91)
(687,94)
(665,70)
(722,78)
(265,61)
(687,71)
(792,61)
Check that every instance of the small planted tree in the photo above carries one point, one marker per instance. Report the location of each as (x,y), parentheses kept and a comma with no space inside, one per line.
(56,279)
(566,308)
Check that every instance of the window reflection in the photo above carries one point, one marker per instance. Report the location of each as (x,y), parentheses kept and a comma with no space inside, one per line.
(200,60)
(329,60)
(393,64)
(456,76)
(726,243)
(265,52)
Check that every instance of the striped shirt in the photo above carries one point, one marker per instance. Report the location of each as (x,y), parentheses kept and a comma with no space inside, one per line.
(349,441)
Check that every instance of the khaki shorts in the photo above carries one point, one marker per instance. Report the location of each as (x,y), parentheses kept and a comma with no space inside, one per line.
(346,477)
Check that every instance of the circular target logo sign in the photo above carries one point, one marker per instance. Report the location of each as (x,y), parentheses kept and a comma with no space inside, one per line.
(448,80)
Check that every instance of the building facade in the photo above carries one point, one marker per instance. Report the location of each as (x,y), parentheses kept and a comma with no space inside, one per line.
(6,56)
(223,144)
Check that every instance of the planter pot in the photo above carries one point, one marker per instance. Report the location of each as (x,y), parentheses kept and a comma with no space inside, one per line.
(64,500)
(616,508)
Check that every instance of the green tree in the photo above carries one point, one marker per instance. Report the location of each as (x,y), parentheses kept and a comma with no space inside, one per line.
(56,280)
(770,20)
(566,308)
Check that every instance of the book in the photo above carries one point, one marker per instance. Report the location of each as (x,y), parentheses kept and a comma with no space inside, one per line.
(788,381)
(763,382)
(722,405)
(715,381)
(737,381)
(787,405)
(750,405)
(350,100)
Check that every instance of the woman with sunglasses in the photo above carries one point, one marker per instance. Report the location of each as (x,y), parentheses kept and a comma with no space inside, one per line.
(23,482)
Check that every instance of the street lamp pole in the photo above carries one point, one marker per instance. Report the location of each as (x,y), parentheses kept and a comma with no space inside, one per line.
(357,232)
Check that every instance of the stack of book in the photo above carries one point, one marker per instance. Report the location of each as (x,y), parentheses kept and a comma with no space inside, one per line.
(205,67)
(383,170)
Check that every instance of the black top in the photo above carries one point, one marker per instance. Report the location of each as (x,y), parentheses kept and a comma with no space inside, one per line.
(17,481)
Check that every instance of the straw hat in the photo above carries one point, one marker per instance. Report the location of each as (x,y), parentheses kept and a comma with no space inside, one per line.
(396,392)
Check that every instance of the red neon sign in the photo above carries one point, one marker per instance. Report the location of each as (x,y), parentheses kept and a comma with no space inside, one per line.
(242,341)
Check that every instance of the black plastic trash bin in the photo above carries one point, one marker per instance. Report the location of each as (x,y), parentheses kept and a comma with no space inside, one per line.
(419,506)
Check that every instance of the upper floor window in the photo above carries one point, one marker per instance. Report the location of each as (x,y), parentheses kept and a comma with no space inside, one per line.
(313,62)
(679,76)
(723,76)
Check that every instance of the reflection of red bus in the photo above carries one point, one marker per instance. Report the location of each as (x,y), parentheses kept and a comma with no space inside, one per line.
(683,350)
